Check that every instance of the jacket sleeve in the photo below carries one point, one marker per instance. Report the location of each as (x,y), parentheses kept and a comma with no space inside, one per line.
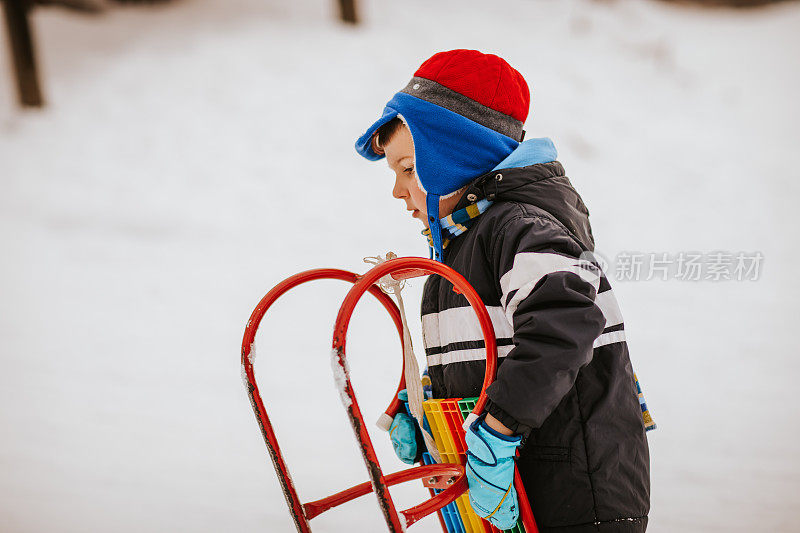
(548,295)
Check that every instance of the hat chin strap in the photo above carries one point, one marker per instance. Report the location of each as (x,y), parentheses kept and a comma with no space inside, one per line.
(432,204)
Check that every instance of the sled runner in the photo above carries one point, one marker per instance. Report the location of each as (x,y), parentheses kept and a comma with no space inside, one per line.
(446,481)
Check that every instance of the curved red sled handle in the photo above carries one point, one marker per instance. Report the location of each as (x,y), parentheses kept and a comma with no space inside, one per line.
(403,267)
(289,491)
(413,270)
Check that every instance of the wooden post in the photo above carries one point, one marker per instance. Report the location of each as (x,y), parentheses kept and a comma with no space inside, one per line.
(347,11)
(20,40)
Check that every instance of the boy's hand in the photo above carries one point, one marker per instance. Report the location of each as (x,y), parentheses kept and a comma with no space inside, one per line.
(403,433)
(490,473)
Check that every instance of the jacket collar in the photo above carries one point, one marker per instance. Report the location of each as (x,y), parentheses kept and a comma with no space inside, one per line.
(542,184)
(471,204)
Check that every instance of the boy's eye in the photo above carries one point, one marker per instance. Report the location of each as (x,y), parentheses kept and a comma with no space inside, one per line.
(409,170)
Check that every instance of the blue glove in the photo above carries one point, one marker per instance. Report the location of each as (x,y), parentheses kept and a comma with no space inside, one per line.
(490,473)
(403,433)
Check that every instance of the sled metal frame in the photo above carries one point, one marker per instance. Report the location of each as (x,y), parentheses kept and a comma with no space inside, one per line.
(450,477)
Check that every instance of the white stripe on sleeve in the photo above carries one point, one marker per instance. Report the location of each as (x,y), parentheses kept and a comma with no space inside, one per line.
(610,338)
(530,267)
(608,304)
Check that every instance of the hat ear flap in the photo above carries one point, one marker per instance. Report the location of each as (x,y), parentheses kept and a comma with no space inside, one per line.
(432,204)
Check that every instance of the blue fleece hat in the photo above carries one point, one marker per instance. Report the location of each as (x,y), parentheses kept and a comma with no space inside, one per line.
(457,138)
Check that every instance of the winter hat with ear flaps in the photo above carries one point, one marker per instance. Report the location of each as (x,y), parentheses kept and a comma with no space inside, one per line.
(465,111)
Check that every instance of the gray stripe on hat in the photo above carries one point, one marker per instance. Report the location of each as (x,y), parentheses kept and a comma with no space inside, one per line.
(438,94)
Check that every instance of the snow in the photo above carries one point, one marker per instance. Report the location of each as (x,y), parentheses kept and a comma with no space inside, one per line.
(340,372)
(194,154)
(403,522)
(251,354)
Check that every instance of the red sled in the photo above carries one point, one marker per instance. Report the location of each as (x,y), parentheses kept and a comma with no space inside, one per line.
(448,479)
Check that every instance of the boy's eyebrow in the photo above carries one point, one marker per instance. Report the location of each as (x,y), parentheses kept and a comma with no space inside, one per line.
(396,161)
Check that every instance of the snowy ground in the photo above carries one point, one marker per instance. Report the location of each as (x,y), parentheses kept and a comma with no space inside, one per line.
(193,155)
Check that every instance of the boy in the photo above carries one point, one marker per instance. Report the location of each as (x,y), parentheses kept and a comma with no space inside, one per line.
(502,213)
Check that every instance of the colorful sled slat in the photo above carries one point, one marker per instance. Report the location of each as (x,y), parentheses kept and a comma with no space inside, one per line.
(450,513)
(466,405)
(450,448)
(445,418)
(449,452)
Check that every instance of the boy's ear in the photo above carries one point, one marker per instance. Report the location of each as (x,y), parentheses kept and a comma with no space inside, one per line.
(375,146)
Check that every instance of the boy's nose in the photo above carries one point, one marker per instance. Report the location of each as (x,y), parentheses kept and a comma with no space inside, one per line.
(399,191)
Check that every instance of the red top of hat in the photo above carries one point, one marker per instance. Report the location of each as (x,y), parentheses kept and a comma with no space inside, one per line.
(485,78)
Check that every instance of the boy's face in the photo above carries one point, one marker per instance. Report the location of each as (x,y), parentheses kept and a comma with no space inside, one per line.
(399,152)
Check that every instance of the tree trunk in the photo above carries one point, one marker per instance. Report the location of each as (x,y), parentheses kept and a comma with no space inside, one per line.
(24,60)
(347,11)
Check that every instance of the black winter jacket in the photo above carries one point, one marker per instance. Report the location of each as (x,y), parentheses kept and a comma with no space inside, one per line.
(565,380)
